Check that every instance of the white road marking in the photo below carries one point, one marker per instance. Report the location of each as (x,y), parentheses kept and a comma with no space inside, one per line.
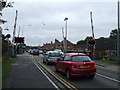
(108,78)
(47,77)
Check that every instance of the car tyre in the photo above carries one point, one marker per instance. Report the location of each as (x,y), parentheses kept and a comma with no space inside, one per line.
(91,76)
(68,74)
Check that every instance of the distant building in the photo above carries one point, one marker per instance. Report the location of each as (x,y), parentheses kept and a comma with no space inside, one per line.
(105,47)
(58,45)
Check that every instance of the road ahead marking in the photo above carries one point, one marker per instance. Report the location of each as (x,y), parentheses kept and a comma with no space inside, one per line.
(108,77)
(46,76)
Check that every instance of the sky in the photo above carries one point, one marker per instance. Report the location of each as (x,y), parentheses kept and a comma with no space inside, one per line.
(41,21)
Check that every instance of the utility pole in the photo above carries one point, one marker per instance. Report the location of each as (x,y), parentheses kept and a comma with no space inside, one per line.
(118,38)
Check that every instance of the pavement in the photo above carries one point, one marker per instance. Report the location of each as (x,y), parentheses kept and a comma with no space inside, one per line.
(24,74)
(108,66)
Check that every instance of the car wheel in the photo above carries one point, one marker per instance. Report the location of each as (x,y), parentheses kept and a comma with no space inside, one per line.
(68,74)
(91,76)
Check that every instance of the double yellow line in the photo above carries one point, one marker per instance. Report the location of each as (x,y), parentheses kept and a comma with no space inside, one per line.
(64,82)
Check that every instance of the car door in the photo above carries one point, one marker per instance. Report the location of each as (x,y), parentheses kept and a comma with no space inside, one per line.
(59,62)
(65,63)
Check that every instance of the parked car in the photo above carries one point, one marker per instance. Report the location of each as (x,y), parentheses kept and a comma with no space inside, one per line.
(58,50)
(50,57)
(76,64)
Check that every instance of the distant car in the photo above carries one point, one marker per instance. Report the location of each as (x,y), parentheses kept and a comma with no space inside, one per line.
(51,57)
(59,51)
(76,64)
(40,52)
(35,52)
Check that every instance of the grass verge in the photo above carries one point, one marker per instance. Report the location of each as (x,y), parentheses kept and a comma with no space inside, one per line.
(6,66)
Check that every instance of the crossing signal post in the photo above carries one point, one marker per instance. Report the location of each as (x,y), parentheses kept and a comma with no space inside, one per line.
(19,40)
(91,42)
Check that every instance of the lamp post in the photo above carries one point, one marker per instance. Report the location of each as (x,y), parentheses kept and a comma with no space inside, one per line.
(65,39)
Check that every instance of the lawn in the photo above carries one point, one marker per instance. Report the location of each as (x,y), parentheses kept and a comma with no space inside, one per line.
(6,67)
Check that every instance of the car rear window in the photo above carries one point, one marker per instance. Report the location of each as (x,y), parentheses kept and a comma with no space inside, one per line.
(81,59)
(54,54)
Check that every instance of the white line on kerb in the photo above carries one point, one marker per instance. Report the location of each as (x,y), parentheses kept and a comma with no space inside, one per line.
(108,78)
(46,76)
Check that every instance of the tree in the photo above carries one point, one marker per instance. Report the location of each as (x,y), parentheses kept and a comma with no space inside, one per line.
(103,38)
(81,42)
(88,38)
(113,34)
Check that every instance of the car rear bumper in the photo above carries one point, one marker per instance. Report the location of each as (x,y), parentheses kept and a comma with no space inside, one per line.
(83,73)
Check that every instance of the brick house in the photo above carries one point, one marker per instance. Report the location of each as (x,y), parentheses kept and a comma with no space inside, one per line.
(58,45)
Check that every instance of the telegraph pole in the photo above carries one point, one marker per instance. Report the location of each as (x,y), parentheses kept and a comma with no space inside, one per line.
(118,38)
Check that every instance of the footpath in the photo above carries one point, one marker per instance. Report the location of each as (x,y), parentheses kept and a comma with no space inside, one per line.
(108,66)
(24,74)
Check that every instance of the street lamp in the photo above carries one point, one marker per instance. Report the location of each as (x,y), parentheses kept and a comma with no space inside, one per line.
(65,39)
(66,27)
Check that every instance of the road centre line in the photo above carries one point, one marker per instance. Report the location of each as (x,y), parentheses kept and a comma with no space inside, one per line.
(56,76)
(108,78)
(47,77)
(59,78)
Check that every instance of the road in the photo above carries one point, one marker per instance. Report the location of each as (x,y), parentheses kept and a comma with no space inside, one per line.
(105,78)
(45,76)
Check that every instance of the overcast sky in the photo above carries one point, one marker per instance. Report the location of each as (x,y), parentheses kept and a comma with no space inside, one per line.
(42,21)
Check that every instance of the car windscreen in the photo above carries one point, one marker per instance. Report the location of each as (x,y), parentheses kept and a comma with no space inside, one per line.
(81,59)
(54,55)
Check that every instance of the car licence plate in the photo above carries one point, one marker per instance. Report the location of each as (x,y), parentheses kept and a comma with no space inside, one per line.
(84,66)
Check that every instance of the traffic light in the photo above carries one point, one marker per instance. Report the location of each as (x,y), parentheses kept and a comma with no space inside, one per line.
(19,39)
(92,42)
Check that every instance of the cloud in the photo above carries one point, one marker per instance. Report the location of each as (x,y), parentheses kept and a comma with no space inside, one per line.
(52,14)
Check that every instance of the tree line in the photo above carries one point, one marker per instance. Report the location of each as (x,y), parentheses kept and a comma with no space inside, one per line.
(113,35)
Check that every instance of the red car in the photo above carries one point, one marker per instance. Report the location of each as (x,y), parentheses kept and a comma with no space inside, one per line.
(76,64)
